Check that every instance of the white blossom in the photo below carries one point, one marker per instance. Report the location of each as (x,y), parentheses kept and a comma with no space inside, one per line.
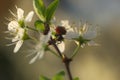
(16,27)
(40,47)
(85,31)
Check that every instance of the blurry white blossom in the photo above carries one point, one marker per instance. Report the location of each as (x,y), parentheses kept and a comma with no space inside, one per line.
(84,34)
(40,47)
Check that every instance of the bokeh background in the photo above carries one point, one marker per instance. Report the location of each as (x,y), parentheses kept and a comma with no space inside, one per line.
(92,63)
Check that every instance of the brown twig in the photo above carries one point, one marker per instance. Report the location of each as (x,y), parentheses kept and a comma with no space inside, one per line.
(65,59)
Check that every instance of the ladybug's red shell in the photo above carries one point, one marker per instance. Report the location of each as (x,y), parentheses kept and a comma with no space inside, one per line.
(60,30)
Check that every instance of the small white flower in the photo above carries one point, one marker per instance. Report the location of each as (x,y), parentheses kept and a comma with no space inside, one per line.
(18,33)
(85,32)
(17,27)
(40,47)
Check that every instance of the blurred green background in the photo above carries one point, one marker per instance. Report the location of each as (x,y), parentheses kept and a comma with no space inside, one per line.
(92,63)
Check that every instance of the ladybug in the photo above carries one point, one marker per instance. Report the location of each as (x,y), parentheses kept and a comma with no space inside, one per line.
(60,30)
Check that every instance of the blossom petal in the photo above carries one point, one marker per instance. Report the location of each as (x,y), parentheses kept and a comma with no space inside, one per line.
(85,28)
(71,35)
(61,46)
(41,54)
(45,38)
(90,35)
(38,55)
(65,23)
(34,58)
(77,42)
(16,38)
(83,45)
(92,43)
(29,16)
(13,25)
(20,14)
(18,45)
(91,32)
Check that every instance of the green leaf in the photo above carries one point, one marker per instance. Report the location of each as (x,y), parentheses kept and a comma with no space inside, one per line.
(51,10)
(40,9)
(77,78)
(59,76)
(43,78)
(39,25)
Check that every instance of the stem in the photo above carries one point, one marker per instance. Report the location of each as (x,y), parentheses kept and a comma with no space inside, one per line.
(55,46)
(75,51)
(65,60)
(54,53)
(34,39)
(31,28)
(67,65)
